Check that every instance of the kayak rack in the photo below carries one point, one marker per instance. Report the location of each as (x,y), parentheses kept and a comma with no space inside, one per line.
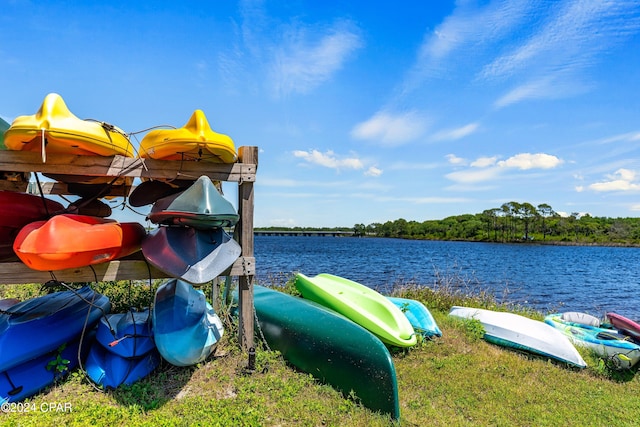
(126,170)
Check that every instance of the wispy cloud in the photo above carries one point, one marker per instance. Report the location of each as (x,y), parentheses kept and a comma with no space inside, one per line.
(392,129)
(305,58)
(293,57)
(540,49)
(457,133)
(468,29)
(489,168)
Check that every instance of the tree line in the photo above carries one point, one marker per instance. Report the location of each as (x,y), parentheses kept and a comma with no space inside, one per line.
(513,222)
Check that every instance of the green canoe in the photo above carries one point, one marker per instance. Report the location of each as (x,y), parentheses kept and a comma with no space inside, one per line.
(366,307)
(330,347)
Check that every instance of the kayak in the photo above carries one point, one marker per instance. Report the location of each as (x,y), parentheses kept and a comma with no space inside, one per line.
(124,350)
(185,327)
(361,304)
(126,334)
(625,325)
(48,321)
(194,141)
(7,303)
(17,210)
(610,345)
(54,129)
(418,315)
(111,370)
(29,377)
(197,256)
(522,333)
(199,206)
(328,346)
(71,241)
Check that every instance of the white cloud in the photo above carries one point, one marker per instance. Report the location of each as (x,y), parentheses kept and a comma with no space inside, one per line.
(524,161)
(373,171)
(391,129)
(488,168)
(483,162)
(458,133)
(455,160)
(330,160)
(620,180)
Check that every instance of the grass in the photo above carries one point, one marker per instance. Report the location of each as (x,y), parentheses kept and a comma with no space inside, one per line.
(458,379)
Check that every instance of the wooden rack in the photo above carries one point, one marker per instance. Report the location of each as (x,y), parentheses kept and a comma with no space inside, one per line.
(136,268)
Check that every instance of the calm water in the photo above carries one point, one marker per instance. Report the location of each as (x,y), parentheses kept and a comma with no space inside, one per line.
(549,278)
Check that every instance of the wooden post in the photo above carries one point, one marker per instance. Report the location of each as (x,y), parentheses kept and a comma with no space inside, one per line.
(248,155)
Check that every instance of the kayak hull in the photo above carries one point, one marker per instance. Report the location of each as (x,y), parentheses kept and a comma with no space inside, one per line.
(16,211)
(200,206)
(330,347)
(186,329)
(110,370)
(32,376)
(419,316)
(606,343)
(71,241)
(194,141)
(54,129)
(131,337)
(361,304)
(522,333)
(49,321)
(625,325)
(197,256)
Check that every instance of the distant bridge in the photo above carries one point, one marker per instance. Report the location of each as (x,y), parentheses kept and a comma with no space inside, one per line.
(302,233)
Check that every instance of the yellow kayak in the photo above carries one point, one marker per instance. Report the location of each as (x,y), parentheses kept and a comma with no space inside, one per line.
(194,141)
(61,132)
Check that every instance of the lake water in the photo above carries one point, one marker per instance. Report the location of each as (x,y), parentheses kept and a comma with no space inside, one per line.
(548,278)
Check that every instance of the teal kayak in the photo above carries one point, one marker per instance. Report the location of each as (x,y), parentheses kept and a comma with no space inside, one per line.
(330,347)
(185,326)
(363,305)
(199,206)
(419,316)
(606,343)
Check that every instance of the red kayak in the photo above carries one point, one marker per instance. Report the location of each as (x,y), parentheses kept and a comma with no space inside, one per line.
(624,325)
(16,211)
(71,241)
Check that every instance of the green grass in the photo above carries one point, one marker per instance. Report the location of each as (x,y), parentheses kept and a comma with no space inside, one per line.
(458,379)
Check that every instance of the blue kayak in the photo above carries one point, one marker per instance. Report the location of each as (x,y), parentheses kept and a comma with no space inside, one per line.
(418,315)
(41,325)
(126,334)
(111,370)
(25,380)
(607,343)
(185,327)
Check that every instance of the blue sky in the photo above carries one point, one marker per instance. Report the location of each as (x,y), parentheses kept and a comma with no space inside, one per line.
(363,111)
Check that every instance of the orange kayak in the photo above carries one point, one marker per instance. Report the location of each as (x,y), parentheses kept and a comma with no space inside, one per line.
(71,241)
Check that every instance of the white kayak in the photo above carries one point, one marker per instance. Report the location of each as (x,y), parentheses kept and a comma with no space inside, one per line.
(522,333)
